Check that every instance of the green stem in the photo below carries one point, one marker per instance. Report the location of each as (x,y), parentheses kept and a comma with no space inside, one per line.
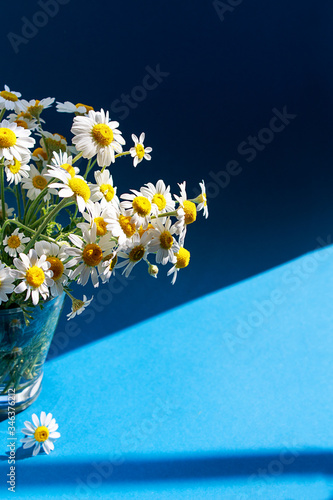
(18,202)
(2,175)
(89,167)
(2,113)
(22,226)
(77,157)
(166,214)
(123,154)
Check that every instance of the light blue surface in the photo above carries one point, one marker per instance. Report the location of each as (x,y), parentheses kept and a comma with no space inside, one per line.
(215,399)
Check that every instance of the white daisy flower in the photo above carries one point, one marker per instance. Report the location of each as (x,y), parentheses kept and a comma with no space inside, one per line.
(139,152)
(34,107)
(57,257)
(69,107)
(163,243)
(183,259)
(201,200)
(16,169)
(186,213)
(120,224)
(23,120)
(69,186)
(40,433)
(9,211)
(64,161)
(10,100)
(137,250)
(159,195)
(96,214)
(104,190)
(95,134)
(139,207)
(78,306)
(109,264)
(15,243)
(53,142)
(14,141)
(6,282)
(35,275)
(39,155)
(89,255)
(36,182)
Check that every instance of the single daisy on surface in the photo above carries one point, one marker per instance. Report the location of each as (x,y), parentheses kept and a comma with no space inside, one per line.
(136,251)
(159,195)
(6,282)
(89,255)
(34,107)
(138,206)
(56,256)
(35,275)
(9,211)
(40,433)
(15,141)
(64,161)
(120,224)
(15,243)
(96,214)
(10,100)
(95,134)
(183,259)
(103,190)
(69,107)
(16,169)
(69,186)
(163,243)
(186,213)
(201,200)
(78,306)
(139,152)
(36,182)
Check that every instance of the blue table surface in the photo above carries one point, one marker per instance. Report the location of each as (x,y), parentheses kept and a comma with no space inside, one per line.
(228,396)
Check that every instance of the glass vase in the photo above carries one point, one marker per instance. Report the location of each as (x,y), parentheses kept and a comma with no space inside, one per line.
(23,350)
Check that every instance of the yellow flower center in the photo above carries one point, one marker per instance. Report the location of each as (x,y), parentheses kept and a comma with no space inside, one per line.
(35,276)
(140,151)
(14,241)
(7,138)
(141,230)
(39,182)
(183,258)
(113,261)
(159,200)
(107,191)
(166,240)
(190,211)
(15,167)
(88,108)
(126,225)
(41,433)
(80,188)
(102,134)
(41,152)
(36,109)
(137,253)
(142,206)
(68,168)
(9,96)
(92,254)
(21,123)
(56,266)
(25,115)
(101,226)
(202,199)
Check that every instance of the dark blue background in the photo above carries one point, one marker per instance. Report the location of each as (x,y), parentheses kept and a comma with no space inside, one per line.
(225,77)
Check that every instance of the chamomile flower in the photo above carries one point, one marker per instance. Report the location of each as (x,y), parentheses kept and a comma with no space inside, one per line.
(109,264)
(69,186)
(57,257)
(201,200)
(23,121)
(35,275)
(96,214)
(138,206)
(36,182)
(78,306)
(9,211)
(53,142)
(64,161)
(15,243)
(6,282)
(159,195)
(95,134)
(186,213)
(34,107)
(40,433)
(89,255)
(120,224)
(139,152)
(10,100)
(15,141)
(136,251)
(69,107)
(163,243)
(183,259)
(16,169)
(104,190)
(39,155)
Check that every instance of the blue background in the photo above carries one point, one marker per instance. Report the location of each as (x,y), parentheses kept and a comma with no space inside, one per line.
(224,79)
